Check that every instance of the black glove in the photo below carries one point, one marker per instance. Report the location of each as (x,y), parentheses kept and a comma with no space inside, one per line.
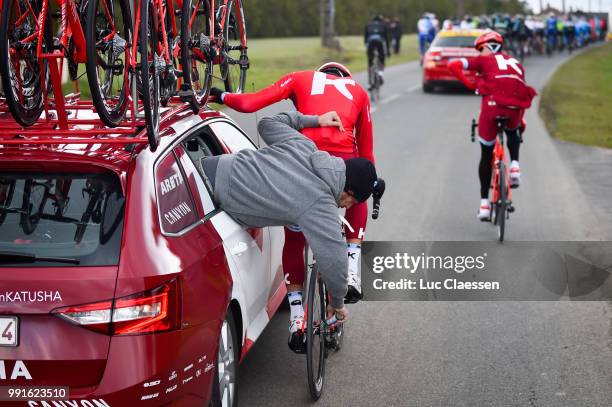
(216,93)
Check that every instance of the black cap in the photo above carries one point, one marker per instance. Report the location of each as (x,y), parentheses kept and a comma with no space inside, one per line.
(360,178)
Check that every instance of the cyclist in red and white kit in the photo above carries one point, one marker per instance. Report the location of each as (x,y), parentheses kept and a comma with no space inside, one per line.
(501,83)
(331,87)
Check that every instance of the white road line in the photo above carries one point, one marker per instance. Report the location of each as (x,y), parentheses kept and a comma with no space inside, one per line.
(390,99)
(413,88)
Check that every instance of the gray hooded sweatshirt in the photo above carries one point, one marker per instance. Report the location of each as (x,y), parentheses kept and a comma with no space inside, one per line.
(290,182)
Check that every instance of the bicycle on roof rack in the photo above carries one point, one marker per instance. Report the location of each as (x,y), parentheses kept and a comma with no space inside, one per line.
(126,72)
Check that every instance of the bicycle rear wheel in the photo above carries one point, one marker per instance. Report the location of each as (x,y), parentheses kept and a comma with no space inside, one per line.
(234,58)
(196,51)
(108,33)
(500,208)
(22,73)
(315,341)
(149,61)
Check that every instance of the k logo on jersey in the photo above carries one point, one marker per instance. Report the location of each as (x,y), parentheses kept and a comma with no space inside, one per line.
(320,81)
(503,64)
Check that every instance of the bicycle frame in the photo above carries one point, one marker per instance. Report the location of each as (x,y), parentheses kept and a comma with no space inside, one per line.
(222,18)
(163,7)
(499,156)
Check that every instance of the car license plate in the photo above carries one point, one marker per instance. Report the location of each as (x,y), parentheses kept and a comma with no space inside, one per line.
(9,331)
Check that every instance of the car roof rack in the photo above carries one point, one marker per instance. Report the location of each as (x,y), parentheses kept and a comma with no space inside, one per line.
(81,125)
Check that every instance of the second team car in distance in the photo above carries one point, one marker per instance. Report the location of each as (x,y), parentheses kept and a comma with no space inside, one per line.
(121,279)
(448,44)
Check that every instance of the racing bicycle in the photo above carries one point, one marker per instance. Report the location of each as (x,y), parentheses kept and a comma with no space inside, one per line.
(212,35)
(93,32)
(502,193)
(323,335)
(374,78)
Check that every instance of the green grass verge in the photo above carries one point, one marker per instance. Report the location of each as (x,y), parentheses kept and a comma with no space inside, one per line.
(271,58)
(576,104)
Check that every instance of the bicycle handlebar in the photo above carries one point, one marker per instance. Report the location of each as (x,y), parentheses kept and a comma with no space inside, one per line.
(379,190)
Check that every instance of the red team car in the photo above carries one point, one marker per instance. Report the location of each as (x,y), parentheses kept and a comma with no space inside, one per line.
(121,279)
(448,44)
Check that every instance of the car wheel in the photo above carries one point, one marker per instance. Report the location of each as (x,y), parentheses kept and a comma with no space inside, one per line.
(225,385)
(427,88)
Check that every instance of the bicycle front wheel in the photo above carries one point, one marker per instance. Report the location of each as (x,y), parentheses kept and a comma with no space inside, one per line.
(23,76)
(315,341)
(500,208)
(196,52)
(149,61)
(108,38)
(234,58)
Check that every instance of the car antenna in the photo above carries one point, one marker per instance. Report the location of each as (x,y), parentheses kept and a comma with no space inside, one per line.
(256,118)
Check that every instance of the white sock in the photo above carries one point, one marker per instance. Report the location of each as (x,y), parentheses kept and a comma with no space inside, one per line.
(484,202)
(354,252)
(295,304)
(514,163)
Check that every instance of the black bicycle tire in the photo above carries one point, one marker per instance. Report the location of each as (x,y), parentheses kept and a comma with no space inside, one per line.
(501,207)
(243,72)
(150,102)
(82,226)
(315,385)
(25,117)
(196,102)
(112,117)
(9,198)
(29,223)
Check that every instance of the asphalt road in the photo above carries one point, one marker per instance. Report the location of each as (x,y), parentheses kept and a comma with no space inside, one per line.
(460,353)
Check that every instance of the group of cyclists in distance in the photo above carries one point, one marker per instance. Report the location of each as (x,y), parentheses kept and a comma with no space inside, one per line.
(523,34)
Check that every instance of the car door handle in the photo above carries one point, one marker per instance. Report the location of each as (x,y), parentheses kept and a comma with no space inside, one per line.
(240,248)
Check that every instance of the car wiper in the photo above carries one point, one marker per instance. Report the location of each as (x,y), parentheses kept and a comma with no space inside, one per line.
(17,257)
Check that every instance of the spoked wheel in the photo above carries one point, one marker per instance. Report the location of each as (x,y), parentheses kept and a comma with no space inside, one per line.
(150,68)
(22,74)
(234,58)
(196,56)
(500,208)
(315,341)
(108,31)
(226,374)
(34,200)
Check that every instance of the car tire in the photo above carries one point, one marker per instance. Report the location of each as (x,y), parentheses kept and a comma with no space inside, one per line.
(227,365)
(427,88)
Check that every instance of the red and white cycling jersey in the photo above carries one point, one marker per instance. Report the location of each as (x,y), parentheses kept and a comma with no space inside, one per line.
(315,93)
(501,79)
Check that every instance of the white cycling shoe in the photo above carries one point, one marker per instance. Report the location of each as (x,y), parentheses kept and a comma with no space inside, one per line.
(354,293)
(297,340)
(484,211)
(515,174)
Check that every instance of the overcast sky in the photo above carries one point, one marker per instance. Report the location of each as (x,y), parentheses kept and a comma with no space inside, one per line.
(606,5)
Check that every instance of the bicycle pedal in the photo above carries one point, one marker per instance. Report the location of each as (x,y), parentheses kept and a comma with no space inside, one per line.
(510,208)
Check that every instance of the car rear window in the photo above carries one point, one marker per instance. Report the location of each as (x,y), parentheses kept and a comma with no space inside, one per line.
(60,219)
(464,42)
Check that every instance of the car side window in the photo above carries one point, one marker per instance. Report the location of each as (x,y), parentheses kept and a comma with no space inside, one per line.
(233,138)
(176,207)
(191,152)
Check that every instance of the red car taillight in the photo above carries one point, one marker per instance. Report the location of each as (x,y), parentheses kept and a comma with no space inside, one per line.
(155,310)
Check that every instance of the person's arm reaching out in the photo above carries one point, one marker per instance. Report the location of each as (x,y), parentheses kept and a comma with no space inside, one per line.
(456,66)
(251,102)
(321,228)
(286,126)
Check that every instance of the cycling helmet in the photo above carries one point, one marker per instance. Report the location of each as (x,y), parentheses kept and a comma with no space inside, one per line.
(335,68)
(489,36)
(377,17)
